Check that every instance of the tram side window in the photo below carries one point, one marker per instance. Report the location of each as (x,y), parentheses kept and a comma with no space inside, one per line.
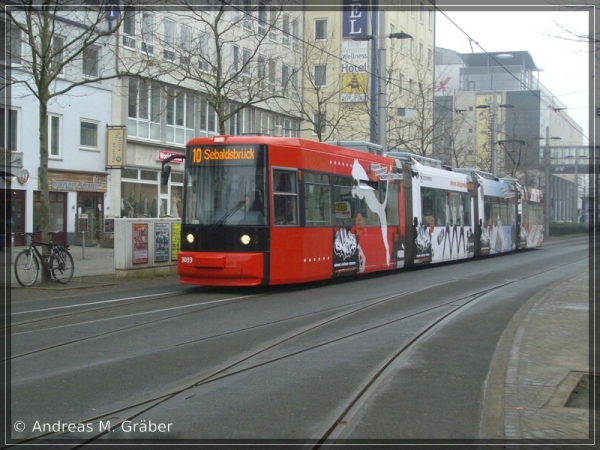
(317,199)
(344,204)
(487,211)
(285,197)
(391,208)
(427,206)
(464,210)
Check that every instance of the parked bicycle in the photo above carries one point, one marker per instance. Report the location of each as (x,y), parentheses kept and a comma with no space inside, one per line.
(59,263)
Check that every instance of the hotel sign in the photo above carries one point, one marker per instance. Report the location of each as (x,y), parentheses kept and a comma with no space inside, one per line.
(355,57)
(355,18)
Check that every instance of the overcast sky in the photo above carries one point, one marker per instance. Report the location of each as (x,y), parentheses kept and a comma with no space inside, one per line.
(564,63)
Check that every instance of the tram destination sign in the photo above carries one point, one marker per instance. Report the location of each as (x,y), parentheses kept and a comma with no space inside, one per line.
(244,154)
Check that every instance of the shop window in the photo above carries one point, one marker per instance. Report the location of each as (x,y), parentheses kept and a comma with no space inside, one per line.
(58,214)
(140,200)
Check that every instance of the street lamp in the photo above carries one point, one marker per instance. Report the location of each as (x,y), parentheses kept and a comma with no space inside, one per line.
(494,109)
(380,63)
(576,183)
(547,190)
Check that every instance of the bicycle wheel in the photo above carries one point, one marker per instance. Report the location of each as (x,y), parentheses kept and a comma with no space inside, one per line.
(27,268)
(62,266)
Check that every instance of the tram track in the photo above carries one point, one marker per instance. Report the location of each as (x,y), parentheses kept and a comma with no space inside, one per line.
(351,405)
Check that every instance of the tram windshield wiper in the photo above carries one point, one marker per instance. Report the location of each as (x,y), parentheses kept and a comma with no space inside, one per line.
(228,214)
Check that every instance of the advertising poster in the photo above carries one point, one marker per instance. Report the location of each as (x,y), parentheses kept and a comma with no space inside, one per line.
(175,240)
(140,243)
(161,242)
(346,252)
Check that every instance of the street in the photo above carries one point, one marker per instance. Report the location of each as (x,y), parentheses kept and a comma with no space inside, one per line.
(403,356)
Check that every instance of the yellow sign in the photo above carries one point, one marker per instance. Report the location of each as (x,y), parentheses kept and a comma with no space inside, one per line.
(115,147)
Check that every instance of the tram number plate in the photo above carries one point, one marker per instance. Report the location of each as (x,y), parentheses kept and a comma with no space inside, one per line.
(187,259)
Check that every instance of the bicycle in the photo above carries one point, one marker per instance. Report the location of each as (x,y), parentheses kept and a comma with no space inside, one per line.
(59,263)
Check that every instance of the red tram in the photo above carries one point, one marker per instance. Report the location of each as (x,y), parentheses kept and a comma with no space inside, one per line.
(262,210)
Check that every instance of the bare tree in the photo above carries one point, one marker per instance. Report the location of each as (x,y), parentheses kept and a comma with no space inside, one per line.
(228,54)
(318,102)
(56,35)
(412,131)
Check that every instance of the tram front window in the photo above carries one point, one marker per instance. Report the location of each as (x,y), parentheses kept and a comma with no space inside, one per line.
(225,194)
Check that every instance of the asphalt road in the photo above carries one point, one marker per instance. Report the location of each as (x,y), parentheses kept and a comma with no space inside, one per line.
(401,356)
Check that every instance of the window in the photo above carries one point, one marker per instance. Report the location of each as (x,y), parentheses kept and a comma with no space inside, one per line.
(317,198)
(204,51)
(285,197)
(430,20)
(319,124)
(88,134)
(247,8)
(320,29)
(421,53)
(320,75)
(91,59)
(262,18)
(421,13)
(295,34)
(144,110)
(401,85)
(54,135)
(261,71)
(295,91)
(58,43)
(392,31)
(186,45)
(169,50)
(9,129)
(247,54)
(272,70)
(148,33)
(235,59)
(180,116)
(285,77)
(208,118)
(11,50)
(344,202)
(285,30)
(129,27)
(272,24)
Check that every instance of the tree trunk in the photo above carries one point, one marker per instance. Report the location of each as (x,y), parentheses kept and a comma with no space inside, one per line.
(43,180)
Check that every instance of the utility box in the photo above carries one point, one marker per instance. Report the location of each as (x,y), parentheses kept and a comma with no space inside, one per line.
(146,246)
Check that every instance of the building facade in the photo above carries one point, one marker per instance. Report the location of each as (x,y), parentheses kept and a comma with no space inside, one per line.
(488,101)
(346,88)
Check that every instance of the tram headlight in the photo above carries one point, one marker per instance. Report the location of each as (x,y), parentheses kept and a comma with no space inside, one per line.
(245,239)
(190,238)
